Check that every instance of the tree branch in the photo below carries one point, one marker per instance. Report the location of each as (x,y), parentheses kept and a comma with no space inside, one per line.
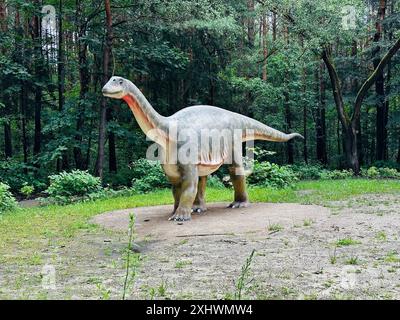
(336,89)
(368,83)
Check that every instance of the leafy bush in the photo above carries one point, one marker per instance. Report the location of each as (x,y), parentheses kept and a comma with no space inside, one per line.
(72,186)
(389,173)
(372,172)
(336,174)
(214,182)
(123,178)
(7,201)
(148,176)
(310,172)
(268,174)
(27,190)
(17,174)
(384,172)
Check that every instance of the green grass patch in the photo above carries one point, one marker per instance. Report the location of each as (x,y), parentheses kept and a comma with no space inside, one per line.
(29,230)
(346,242)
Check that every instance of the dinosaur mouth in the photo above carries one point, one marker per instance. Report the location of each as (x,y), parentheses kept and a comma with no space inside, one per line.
(108,93)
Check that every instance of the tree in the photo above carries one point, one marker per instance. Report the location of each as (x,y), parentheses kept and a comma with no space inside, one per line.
(349,122)
(103,107)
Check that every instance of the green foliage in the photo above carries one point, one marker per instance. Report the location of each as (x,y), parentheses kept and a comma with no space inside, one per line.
(18,174)
(372,173)
(308,172)
(148,175)
(317,172)
(73,186)
(214,182)
(271,175)
(27,190)
(336,174)
(7,201)
(384,172)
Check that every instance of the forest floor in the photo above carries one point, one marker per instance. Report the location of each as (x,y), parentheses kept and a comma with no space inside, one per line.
(322,240)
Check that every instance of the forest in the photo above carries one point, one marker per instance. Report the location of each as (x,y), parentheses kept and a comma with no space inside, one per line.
(85,214)
(326,70)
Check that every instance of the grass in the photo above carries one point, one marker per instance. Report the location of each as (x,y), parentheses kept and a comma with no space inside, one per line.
(346,242)
(182,263)
(392,257)
(25,232)
(275,227)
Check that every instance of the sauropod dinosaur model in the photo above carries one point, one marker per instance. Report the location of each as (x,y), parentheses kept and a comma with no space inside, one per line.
(187,162)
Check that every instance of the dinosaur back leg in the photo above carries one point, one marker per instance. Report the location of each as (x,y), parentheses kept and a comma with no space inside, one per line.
(199,205)
(238,179)
(189,181)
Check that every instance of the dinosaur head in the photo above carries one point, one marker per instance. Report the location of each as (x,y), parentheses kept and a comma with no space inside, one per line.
(115,88)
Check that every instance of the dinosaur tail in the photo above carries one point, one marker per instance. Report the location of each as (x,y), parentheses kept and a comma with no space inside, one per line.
(259,131)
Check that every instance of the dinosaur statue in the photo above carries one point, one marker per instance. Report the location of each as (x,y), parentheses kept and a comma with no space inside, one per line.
(188,178)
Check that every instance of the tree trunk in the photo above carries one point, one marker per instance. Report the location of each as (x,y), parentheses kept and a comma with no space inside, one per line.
(264,27)
(23,104)
(398,152)
(112,155)
(274,26)
(250,23)
(38,62)
(84,80)
(349,129)
(7,100)
(350,143)
(381,106)
(288,119)
(320,124)
(305,116)
(103,105)
(63,163)
(288,113)
(7,141)
(354,87)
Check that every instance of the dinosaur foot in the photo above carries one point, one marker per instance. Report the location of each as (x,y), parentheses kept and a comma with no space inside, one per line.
(181,215)
(239,204)
(199,209)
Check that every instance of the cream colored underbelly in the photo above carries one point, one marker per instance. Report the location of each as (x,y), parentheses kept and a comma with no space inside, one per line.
(206,170)
(172,171)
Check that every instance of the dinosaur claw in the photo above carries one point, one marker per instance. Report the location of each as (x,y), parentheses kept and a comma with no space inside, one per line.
(238,204)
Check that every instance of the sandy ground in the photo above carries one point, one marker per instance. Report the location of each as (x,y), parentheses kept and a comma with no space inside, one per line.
(300,254)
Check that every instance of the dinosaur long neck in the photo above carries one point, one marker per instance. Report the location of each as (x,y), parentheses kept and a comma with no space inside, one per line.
(147,118)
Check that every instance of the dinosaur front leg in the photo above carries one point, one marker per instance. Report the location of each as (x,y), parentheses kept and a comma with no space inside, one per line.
(189,183)
(239,184)
(176,191)
(199,205)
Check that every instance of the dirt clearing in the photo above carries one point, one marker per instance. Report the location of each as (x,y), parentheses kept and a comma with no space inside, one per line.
(343,250)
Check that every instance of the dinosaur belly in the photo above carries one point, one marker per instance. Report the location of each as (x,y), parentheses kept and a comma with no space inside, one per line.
(205,170)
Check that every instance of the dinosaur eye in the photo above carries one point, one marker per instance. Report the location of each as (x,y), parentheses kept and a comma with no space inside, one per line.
(121,81)
(113,80)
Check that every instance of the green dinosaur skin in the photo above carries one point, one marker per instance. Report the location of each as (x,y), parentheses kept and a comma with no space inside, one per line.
(189,179)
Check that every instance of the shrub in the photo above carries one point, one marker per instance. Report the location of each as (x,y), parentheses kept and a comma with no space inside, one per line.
(7,201)
(372,172)
(148,176)
(17,174)
(389,173)
(336,174)
(71,186)
(268,174)
(309,172)
(27,190)
(214,182)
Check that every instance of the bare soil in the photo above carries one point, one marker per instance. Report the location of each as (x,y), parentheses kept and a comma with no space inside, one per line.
(344,250)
